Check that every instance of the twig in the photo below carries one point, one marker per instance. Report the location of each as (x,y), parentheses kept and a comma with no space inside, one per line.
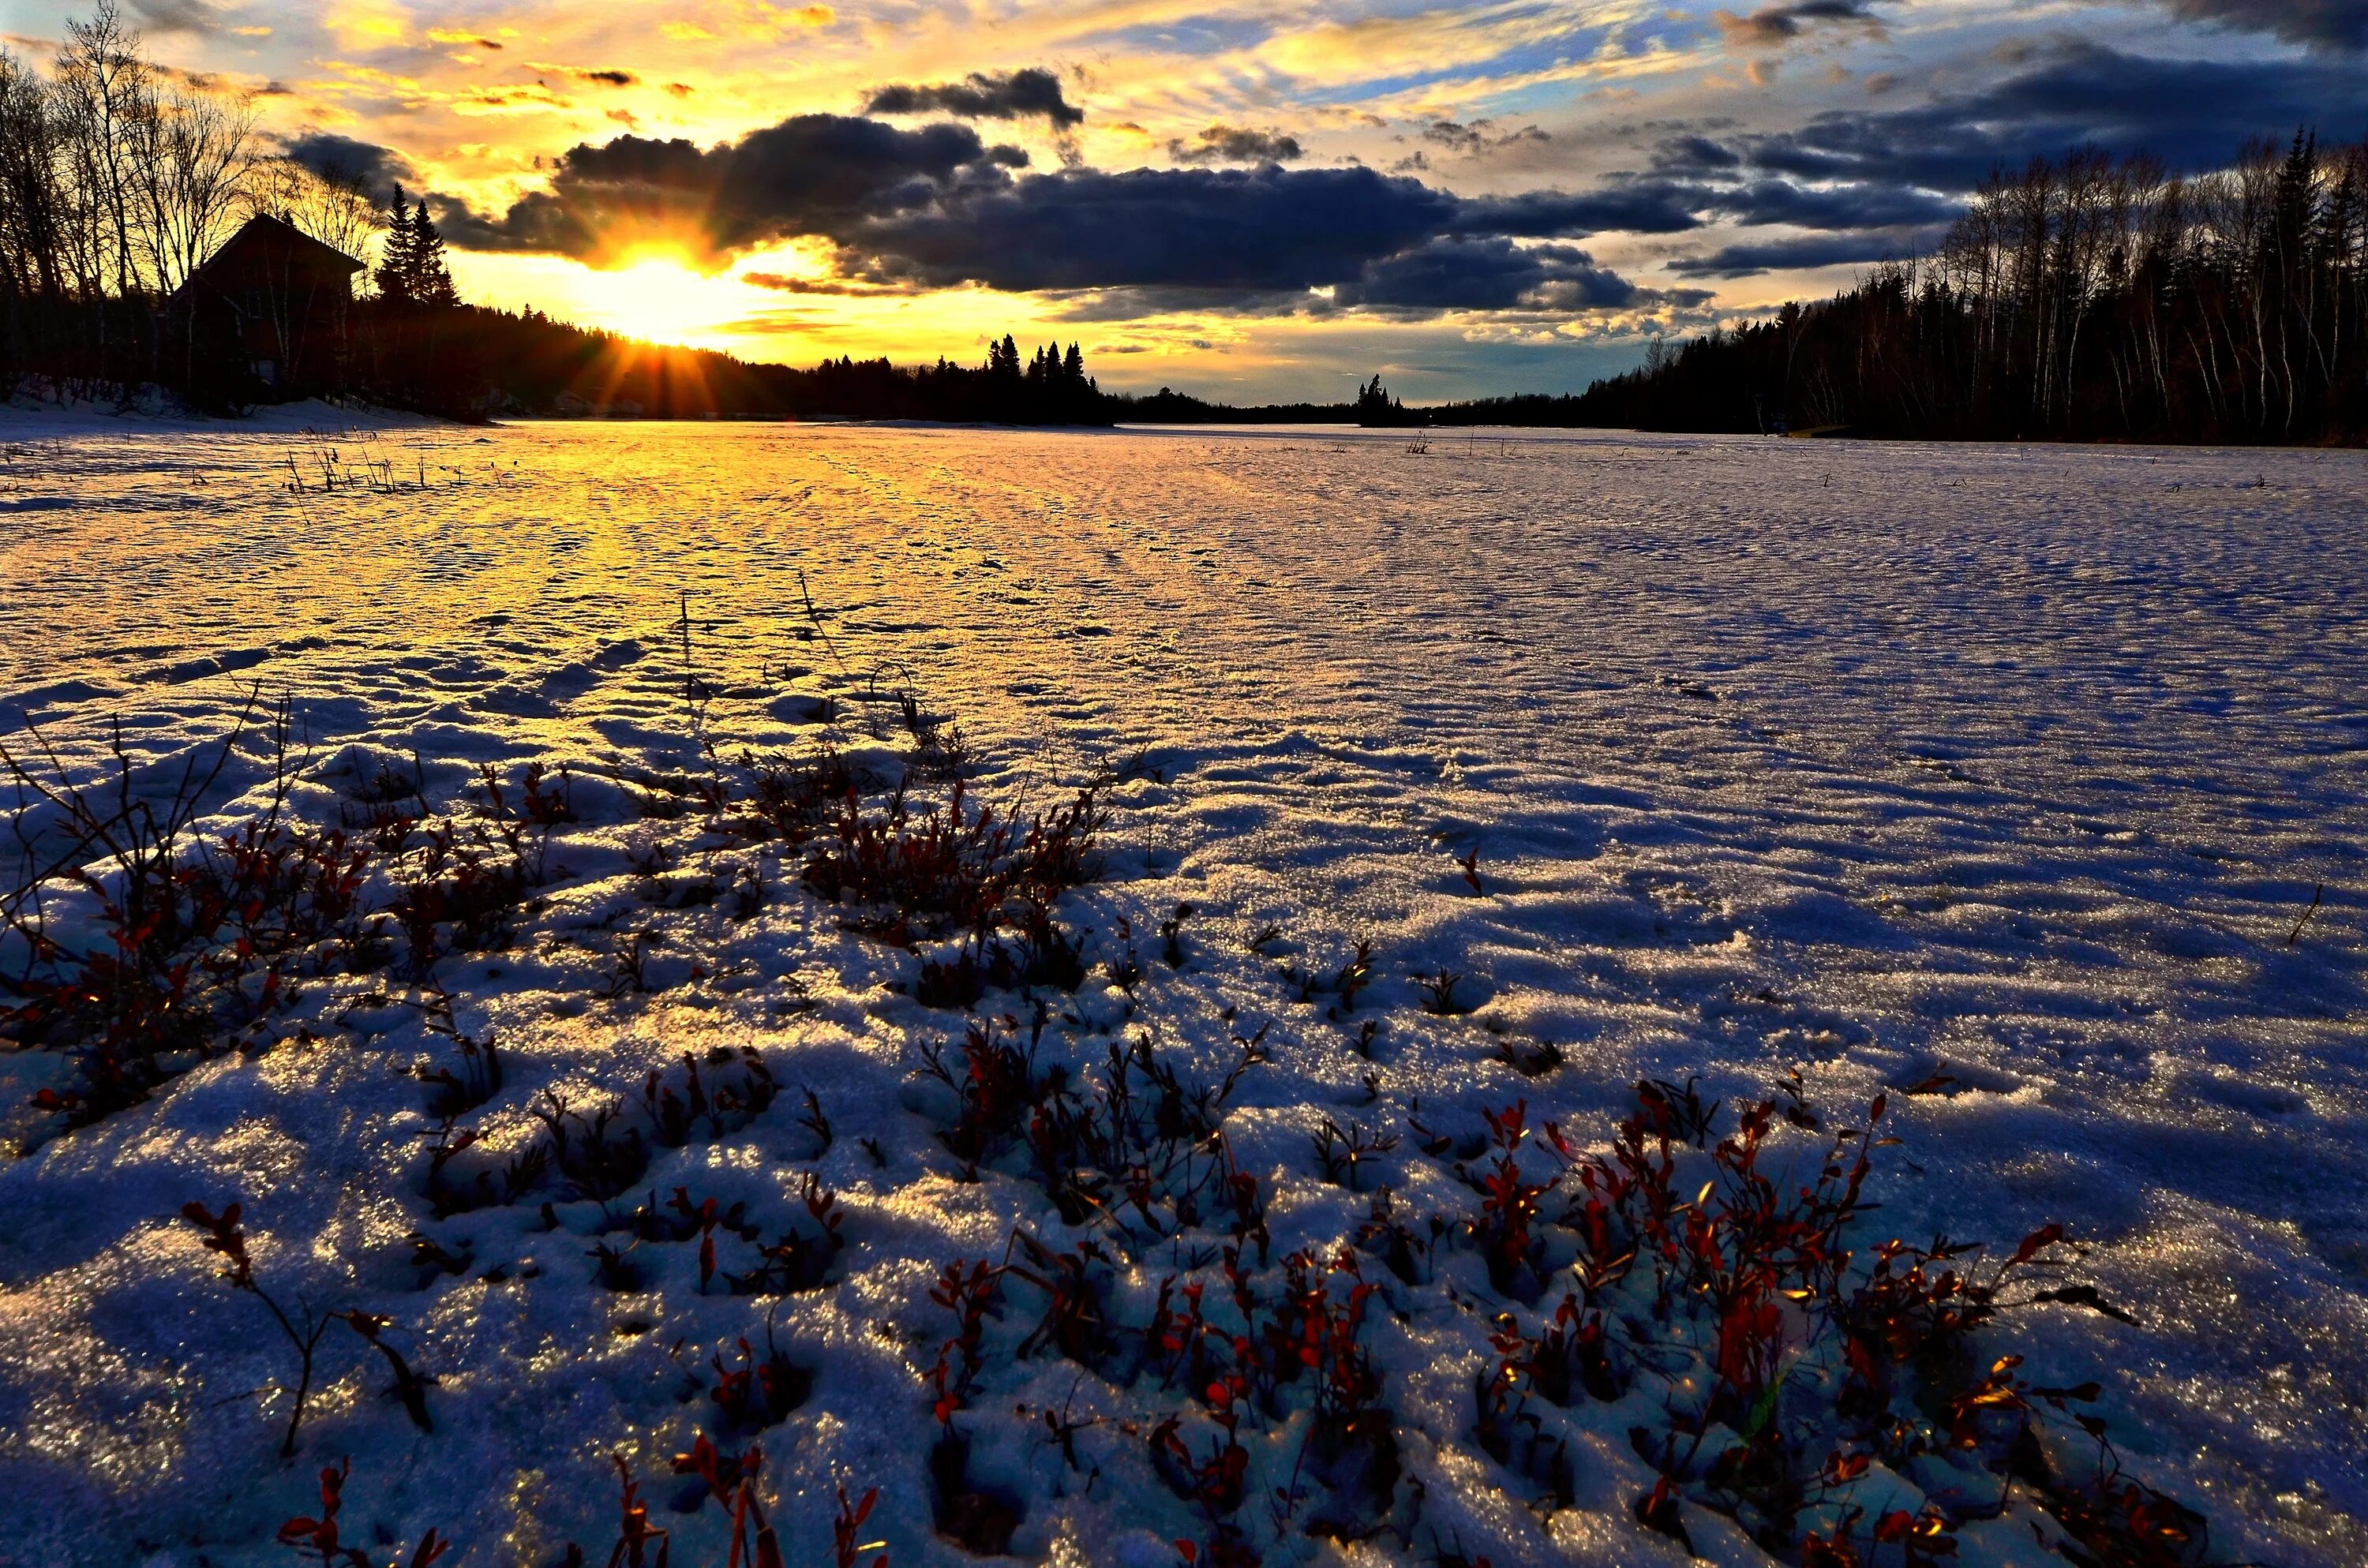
(815,615)
(2296,935)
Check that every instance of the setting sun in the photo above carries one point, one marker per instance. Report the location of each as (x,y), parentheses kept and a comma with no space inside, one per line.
(660,300)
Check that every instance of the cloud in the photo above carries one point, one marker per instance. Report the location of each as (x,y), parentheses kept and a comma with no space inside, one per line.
(783,283)
(1779,25)
(1635,206)
(178,15)
(934,206)
(341,159)
(448,35)
(1829,207)
(814,173)
(1016,94)
(2332,24)
(1477,137)
(1260,238)
(608,76)
(1695,153)
(1812,250)
(2193,113)
(1261,228)
(1489,273)
(1236,144)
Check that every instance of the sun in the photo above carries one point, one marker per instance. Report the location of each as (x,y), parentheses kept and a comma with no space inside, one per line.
(660,301)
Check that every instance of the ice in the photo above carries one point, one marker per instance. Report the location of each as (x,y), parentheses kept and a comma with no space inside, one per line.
(1876,761)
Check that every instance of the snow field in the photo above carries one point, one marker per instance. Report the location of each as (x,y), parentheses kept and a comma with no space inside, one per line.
(1883,764)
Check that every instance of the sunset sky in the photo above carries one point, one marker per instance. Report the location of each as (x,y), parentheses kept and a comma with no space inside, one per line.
(1245,200)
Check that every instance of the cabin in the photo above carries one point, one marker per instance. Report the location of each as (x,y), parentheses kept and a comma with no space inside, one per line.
(269,308)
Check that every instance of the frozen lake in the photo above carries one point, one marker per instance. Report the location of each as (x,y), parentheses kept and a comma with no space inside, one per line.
(2015,766)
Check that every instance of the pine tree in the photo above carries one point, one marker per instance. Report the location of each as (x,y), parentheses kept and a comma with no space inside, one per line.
(431,279)
(397,266)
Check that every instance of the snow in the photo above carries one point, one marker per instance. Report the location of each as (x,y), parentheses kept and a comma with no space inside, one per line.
(1873,761)
(151,410)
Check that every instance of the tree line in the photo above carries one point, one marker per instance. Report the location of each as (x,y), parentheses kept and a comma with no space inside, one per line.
(117,180)
(2083,298)
(120,178)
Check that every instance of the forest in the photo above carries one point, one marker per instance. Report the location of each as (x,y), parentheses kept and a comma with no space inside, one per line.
(2083,298)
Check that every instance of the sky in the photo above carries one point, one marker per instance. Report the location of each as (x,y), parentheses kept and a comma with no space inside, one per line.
(1248,200)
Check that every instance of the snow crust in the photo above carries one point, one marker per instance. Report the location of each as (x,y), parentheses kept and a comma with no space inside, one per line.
(1871,761)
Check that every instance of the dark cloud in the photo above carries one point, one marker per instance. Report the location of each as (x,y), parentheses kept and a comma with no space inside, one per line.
(1694,154)
(1016,94)
(1814,250)
(1478,136)
(606,75)
(2193,113)
(1829,207)
(1256,238)
(1236,144)
(2331,24)
(839,287)
(178,15)
(1635,206)
(1490,273)
(1779,24)
(815,174)
(935,208)
(1267,228)
(342,160)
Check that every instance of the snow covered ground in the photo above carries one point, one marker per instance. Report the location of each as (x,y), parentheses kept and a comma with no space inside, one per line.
(2002,775)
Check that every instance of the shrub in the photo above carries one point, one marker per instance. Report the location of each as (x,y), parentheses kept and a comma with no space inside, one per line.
(1134,1145)
(1810,1359)
(195,938)
(304,1329)
(679,1102)
(950,868)
(752,1394)
(792,799)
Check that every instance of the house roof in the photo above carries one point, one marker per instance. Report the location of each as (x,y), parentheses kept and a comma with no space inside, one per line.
(277,234)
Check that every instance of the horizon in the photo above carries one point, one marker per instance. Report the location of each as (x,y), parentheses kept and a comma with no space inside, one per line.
(1469,202)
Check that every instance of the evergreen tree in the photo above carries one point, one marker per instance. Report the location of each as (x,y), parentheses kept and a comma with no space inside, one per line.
(397,265)
(431,279)
(412,270)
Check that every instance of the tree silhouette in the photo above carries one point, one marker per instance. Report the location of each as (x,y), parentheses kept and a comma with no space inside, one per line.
(431,279)
(398,258)
(412,270)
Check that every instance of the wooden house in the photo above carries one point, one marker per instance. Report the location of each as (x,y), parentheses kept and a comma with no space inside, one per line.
(269,308)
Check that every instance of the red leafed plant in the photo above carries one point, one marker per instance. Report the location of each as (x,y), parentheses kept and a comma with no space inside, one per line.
(197,937)
(968,1293)
(846,1552)
(317,1538)
(304,1329)
(731,1480)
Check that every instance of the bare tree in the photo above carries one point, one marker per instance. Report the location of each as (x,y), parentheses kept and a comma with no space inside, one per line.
(194,160)
(108,98)
(334,205)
